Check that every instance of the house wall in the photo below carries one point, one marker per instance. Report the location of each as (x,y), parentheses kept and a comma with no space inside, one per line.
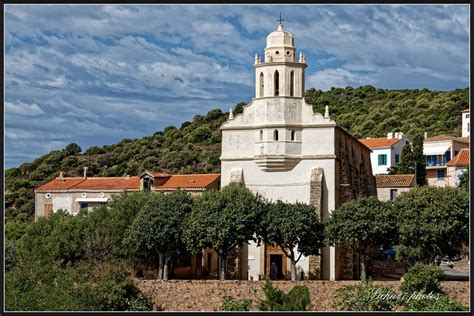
(383,194)
(374,157)
(465,124)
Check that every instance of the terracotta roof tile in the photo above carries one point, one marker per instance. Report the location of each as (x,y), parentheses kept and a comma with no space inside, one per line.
(115,183)
(444,137)
(189,181)
(461,159)
(394,180)
(379,142)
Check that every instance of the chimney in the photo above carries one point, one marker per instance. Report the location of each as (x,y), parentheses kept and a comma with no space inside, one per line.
(127,176)
(61,177)
(389,135)
(85,172)
(426,135)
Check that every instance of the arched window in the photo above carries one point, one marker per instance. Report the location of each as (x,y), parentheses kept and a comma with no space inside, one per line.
(262,85)
(292,83)
(293,135)
(275,134)
(261,135)
(276,79)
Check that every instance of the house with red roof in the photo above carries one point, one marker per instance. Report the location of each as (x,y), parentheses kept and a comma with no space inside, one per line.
(456,167)
(389,186)
(75,193)
(386,151)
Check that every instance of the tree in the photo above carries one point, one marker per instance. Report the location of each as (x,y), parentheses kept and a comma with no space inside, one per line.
(222,220)
(292,227)
(407,163)
(361,224)
(72,149)
(432,221)
(419,160)
(158,228)
(464,180)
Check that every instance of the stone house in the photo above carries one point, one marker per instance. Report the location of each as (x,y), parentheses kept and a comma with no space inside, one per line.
(389,186)
(386,151)
(278,147)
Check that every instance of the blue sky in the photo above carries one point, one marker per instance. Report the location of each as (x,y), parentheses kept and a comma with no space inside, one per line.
(94,75)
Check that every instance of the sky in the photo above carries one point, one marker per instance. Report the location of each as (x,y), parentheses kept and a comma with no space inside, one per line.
(95,74)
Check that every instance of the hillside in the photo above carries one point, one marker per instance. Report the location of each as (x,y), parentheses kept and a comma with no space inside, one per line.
(194,147)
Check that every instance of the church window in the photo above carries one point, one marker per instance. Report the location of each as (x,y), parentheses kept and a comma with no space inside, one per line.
(293,135)
(275,134)
(261,135)
(262,84)
(292,83)
(277,83)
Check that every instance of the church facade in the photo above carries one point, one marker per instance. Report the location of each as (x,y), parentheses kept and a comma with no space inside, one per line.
(278,147)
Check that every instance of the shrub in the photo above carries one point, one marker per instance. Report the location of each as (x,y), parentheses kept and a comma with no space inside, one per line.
(230,304)
(365,296)
(297,299)
(439,303)
(422,277)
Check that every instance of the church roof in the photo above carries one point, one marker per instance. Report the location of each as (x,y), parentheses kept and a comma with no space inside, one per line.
(280,38)
(379,142)
(461,159)
(394,180)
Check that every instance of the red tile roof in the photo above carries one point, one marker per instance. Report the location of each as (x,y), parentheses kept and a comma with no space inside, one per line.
(444,137)
(379,142)
(394,180)
(461,159)
(105,184)
(189,181)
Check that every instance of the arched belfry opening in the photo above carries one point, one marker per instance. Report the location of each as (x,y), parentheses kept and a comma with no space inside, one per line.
(276,79)
(261,135)
(262,85)
(275,135)
(293,135)
(292,83)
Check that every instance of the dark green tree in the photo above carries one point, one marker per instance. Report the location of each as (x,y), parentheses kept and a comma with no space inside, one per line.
(72,149)
(464,180)
(407,162)
(361,224)
(296,228)
(432,221)
(222,220)
(419,159)
(158,228)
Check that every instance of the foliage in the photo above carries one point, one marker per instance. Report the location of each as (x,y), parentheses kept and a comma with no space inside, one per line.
(292,226)
(222,220)
(419,159)
(230,304)
(464,180)
(431,221)
(365,296)
(422,277)
(406,164)
(438,303)
(361,224)
(297,299)
(158,227)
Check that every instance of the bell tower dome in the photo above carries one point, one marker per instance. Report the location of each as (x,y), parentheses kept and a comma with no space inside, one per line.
(279,74)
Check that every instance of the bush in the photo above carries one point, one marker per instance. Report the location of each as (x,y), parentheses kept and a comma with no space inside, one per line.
(365,296)
(422,277)
(230,304)
(439,303)
(297,299)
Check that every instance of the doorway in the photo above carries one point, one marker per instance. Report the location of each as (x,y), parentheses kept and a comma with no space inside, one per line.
(278,259)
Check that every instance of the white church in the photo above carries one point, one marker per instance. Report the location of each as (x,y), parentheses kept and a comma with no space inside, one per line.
(283,150)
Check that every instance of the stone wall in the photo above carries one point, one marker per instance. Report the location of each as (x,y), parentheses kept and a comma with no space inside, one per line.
(206,295)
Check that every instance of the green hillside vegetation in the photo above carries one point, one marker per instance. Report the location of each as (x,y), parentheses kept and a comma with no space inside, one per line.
(194,147)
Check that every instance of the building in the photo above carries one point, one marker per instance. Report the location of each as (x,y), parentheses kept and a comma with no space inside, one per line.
(76,193)
(438,151)
(389,186)
(278,147)
(385,151)
(466,128)
(456,167)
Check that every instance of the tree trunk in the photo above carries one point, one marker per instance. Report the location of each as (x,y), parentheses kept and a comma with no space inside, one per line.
(362,267)
(222,261)
(160,266)
(293,270)
(165,267)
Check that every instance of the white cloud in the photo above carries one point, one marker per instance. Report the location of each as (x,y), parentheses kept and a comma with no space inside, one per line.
(23,109)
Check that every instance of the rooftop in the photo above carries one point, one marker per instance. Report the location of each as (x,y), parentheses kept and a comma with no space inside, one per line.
(379,142)
(461,159)
(93,183)
(189,181)
(394,180)
(444,137)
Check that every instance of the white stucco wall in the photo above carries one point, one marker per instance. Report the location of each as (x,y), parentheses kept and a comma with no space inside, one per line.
(465,124)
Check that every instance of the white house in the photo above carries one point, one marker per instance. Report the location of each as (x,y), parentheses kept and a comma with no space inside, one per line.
(386,151)
(466,128)
(279,148)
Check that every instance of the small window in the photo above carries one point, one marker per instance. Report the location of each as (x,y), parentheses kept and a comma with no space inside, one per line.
(397,158)
(262,84)
(468,126)
(440,175)
(393,194)
(275,135)
(84,205)
(293,135)
(383,160)
(276,79)
(467,116)
(261,135)
(456,152)
(292,84)
(407,142)
(277,52)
